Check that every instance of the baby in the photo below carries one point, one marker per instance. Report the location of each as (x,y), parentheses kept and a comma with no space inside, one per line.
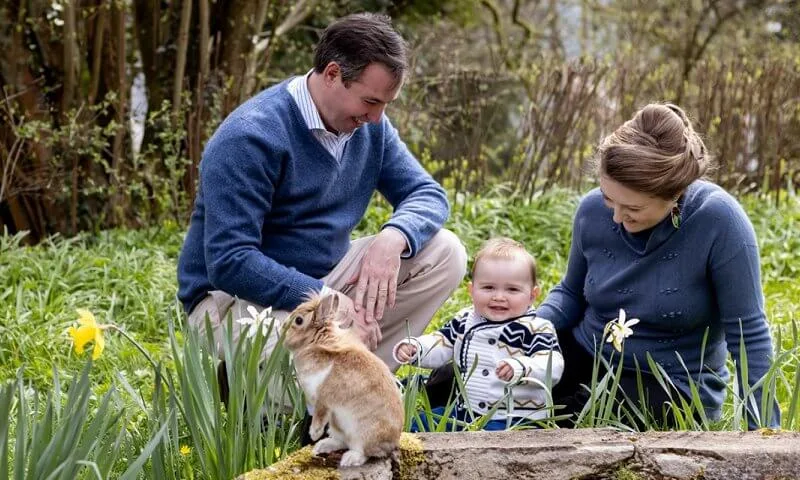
(499,340)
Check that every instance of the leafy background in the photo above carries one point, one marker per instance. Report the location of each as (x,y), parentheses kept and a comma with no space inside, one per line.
(105,109)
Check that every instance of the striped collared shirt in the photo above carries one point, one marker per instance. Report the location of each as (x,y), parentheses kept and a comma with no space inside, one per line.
(333,143)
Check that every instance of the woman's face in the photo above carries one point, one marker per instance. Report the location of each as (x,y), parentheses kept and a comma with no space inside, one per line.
(636,211)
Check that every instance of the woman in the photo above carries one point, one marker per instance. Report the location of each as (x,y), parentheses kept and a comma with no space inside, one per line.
(674,251)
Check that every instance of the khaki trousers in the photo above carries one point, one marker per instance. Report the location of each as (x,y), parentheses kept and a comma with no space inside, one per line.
(423,284)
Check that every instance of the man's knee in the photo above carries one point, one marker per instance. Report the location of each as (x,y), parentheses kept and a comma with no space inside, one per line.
(451,254)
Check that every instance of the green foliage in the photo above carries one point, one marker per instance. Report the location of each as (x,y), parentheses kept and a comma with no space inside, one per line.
(67,438)
(130,277)
(76,151)
(775,226)
(154,184)
(239,437)
(518,92)
(183,422)
(153,393)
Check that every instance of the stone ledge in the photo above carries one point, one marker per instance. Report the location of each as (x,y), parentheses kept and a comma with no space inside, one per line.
(601,453)
(584,454)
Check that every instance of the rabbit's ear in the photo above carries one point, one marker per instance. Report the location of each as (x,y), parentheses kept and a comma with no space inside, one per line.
(327,308)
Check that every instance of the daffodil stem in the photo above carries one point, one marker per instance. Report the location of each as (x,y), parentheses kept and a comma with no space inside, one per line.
(144,352)
(136,344)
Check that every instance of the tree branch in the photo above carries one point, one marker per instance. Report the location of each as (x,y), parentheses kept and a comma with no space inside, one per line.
(516,20)
(97,52)
(70,57)
(252,62)
(180,63)
(300,11)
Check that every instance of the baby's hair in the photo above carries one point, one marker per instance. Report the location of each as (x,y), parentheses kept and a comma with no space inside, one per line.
(503,247)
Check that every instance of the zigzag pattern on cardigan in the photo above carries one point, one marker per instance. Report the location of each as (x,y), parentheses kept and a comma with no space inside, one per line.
(518,336)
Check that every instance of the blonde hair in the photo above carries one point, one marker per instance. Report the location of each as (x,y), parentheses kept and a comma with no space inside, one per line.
(657,152)
(507,248)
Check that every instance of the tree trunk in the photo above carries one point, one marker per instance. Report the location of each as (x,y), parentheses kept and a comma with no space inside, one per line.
(236,34)
(180,61)
(26,91)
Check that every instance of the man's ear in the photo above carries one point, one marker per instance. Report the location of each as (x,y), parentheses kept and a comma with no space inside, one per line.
(328,307)
(332,70)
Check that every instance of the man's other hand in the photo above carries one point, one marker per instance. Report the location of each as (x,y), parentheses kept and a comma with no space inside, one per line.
(368,332)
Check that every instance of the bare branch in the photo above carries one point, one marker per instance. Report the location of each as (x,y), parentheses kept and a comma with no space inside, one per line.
(180,63)
(70,57)
(252,62)
(300,11)
(497,28)
(516,20)
(97,52)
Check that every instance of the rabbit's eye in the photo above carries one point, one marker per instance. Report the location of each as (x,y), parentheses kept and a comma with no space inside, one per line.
(298,320)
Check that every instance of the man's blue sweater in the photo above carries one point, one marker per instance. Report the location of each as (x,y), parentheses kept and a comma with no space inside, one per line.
(274,210)
(681,283)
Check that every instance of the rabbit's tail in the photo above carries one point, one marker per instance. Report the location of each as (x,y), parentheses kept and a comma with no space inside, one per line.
(381,449)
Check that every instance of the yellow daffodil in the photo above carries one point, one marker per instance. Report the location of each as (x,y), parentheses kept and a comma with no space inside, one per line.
(619,329)
(87,331)
(185,450)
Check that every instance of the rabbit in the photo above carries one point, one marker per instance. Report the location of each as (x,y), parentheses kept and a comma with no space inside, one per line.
(350,389)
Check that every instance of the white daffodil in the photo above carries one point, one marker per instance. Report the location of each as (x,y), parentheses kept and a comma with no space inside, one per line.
(257,320)
(619,329)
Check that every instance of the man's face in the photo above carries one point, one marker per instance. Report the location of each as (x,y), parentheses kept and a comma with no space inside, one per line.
(360,101)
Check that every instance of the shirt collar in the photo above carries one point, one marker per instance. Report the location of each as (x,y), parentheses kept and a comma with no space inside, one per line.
(298,88)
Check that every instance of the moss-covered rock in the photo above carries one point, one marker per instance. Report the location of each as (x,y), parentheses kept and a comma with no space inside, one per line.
(302,465)
(410,456)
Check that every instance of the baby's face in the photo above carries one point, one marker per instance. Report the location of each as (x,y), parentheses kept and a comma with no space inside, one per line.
(502,288)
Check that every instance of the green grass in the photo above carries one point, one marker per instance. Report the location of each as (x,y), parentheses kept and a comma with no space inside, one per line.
(142,414)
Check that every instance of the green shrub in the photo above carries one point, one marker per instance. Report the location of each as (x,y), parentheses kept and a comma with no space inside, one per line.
(151,399)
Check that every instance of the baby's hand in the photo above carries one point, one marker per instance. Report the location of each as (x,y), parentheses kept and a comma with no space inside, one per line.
(504,371)
(405,352)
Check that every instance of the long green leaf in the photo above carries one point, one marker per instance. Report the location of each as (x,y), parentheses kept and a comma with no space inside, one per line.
(132,472)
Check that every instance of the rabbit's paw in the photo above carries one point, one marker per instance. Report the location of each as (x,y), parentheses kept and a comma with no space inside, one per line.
(316,430)
(352,458)
(327,445)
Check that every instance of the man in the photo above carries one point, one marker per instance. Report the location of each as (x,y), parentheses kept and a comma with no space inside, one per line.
(287,177)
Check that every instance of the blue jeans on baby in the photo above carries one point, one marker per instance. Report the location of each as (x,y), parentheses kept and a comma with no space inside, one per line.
(455,421)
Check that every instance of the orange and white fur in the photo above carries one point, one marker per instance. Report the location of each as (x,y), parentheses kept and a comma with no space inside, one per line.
(349,388)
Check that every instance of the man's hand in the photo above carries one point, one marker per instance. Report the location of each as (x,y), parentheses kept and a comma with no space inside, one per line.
(368,333)
(504,371)
(377,278)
